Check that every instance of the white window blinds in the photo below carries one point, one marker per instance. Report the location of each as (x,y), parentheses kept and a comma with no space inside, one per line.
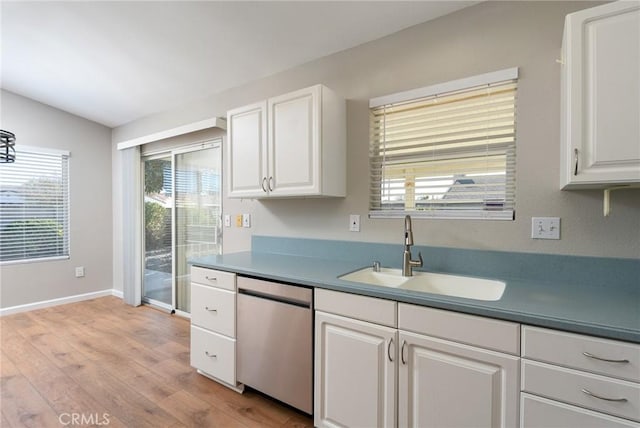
(445,154)
(34,206)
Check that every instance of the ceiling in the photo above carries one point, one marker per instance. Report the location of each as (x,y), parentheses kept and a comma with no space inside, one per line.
(115,62)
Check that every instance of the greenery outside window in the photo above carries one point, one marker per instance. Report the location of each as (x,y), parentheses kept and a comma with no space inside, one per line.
(34,206)
(445,151)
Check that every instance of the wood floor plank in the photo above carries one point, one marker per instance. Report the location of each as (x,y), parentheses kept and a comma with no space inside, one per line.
(104,357)
(23,406)
(121,401)
(194,412)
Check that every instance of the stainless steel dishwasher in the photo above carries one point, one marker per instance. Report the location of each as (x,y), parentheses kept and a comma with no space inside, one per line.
(275,340)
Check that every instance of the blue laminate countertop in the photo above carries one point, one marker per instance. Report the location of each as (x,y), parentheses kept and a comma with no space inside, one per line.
(607,312)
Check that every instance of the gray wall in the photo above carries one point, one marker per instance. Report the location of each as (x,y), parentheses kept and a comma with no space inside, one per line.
(486,37)
(39,125)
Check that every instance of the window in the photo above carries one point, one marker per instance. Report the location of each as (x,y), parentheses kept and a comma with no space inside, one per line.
(445,151)
(34,206)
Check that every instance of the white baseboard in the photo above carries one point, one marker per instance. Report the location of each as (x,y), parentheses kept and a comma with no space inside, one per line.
(60,301)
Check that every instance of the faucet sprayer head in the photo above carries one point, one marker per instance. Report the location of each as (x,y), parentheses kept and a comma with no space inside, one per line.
(408,233)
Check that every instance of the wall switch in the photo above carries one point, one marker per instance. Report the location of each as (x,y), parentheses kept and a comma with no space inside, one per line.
(246,220)
(545,227)
(227,220)
(80,272)
(239,220)
(354,223)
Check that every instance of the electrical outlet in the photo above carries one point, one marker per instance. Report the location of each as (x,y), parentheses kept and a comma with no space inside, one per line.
(354,223)
(545,227)
(227,220)
(239,220)
(79,271)
(246,220)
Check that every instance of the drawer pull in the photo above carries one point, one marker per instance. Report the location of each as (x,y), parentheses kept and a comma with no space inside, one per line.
(211,278)
(215,356)
(591,394)
(588,355)
(210,310)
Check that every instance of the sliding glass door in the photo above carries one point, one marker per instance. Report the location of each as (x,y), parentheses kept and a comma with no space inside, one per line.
(182,212)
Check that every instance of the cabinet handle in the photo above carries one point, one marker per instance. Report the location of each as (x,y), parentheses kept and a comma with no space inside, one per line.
(211,278)
(404,342)
(271,184)
(389,349)
(210,310)
(591,394)
(588,355)
(210,355)
(575,155)
(264,184)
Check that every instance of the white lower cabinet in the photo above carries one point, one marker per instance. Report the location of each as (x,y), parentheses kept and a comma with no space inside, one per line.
(356,381)
(573,380)
(448,384)
(213,325)
(372,375)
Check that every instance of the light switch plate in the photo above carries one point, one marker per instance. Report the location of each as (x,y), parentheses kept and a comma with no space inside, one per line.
(545,227)
(354,223)
(246,220)
(227,220)
(80,272)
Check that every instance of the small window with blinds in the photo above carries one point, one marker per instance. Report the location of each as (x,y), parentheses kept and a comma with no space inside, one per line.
(445,151)
(34,206)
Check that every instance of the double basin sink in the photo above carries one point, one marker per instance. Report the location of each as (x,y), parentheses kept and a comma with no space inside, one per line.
(436,283)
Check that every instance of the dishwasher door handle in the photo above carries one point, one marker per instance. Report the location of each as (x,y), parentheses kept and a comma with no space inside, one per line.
(274,298)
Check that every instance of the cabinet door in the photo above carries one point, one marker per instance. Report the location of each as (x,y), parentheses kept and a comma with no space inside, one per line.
(538,412)
(294,143)
(247,157)
(445,384)
(601,96)
(355,373)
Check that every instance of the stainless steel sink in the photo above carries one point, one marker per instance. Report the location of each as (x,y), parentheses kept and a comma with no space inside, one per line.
(437,283)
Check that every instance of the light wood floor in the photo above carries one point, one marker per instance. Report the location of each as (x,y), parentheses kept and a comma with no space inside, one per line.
(101,358)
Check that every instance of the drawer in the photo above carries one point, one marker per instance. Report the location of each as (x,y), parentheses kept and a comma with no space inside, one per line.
(213,354)
(573,387)
(538,412)
(214,309)
(214,278)
(473,330)
(379,311)
(582,352)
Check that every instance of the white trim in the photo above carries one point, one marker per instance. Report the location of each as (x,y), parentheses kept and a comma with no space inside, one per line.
(507,214)
(55,302)
(214,122)
(454,85)
(117,293)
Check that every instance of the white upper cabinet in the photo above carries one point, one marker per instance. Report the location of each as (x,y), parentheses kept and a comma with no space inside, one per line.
(600,126)
(290,145)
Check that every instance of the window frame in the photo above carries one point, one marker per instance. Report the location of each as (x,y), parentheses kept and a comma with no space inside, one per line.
(442,89)
(65,157)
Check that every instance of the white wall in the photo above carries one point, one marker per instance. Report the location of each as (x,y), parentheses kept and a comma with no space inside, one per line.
(39,125)
(487,37)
